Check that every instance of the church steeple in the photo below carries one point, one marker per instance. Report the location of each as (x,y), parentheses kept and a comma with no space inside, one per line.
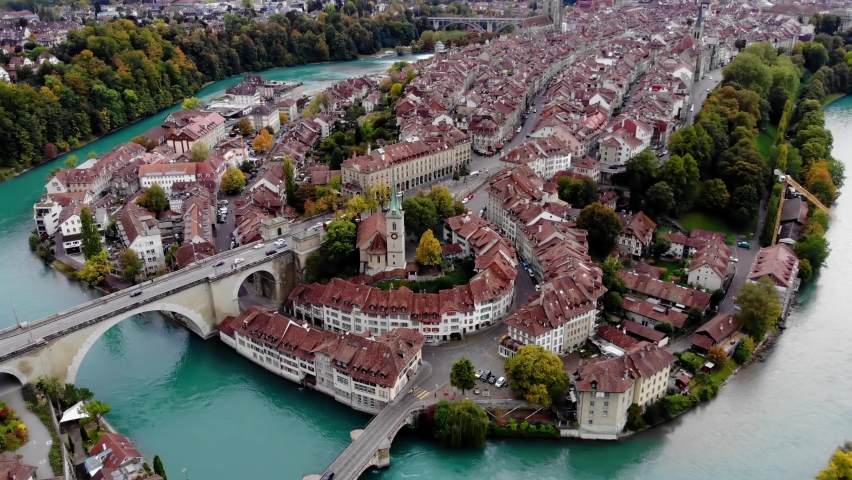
(395,210)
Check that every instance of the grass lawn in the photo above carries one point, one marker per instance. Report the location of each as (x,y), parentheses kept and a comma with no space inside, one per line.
(669,266)
(703,221)
(718,377)
(461,274)
(833,97)
(766,139)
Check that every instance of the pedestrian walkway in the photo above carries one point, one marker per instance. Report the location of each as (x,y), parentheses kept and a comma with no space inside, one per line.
(36,451)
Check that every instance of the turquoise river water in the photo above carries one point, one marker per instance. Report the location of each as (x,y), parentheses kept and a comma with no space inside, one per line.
(202,407)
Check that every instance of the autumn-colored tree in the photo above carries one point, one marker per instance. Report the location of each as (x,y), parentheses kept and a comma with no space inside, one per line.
(130,263)
(283,118)
(245,127)
(532,366)
(96,269)
(233,180)
(717,355)
(192,103)
(819,183)
(429,250)
(262,142)
(357,204)
(199,152)
(839,466)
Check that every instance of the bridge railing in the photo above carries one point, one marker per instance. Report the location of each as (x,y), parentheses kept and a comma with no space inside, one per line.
(112,313)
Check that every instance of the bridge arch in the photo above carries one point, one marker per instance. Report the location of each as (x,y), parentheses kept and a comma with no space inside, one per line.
(244,275)
(195,323)
(15,373)
(473,25)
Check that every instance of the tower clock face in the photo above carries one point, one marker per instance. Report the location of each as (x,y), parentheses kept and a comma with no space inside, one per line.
(394,236)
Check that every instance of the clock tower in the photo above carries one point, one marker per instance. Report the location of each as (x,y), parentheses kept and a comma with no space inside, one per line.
(395,229)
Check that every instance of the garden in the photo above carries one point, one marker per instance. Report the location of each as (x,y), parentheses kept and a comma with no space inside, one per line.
(455,273)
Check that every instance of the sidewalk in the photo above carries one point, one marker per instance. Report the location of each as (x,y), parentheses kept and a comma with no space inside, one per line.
(36,451)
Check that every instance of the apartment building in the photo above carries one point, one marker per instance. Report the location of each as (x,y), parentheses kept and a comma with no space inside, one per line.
(781,265)
(364,371)
(139,231)
(545,156)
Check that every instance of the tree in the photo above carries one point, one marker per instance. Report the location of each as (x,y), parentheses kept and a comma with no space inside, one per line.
(749,71)
(660,199)
(665,327)
(97,409)
(96,269)
(395,91)
(533,365)
(718,355)
(192,103)
(806,272)
(420,215)
(694,141)
(818,181)
(429,250)
(199,152)
(759,306)
(460,424)
(130,263)
(90,236)
(641,171)
(51,386)
(681,174)
(812,247)
(158,467)
(34,242)
(145,142)
(233,180)
(71,162)
(443,201)
(339,243)
(462,375)
(245,127)
(744,350)
(602,226)
(839,466)
(714,196)
(283,118)
(744,205)
(289,182)
(154,199)
(661,245)
(612,302)
(578,193)
(71,395)
(263,141)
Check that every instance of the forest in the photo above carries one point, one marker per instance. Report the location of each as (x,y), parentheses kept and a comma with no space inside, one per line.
(114,73)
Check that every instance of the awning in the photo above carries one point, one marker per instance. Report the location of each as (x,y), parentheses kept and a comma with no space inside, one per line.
(74,413)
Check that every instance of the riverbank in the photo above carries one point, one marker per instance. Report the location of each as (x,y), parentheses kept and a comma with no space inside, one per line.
(832,98)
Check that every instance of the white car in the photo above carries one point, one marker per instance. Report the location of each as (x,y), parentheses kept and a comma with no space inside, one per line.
(280,244)
(464,200)
(239,260)
(500,382)
(518,130)
(258,246)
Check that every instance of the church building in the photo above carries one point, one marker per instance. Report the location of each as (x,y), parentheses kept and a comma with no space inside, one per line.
(381,239)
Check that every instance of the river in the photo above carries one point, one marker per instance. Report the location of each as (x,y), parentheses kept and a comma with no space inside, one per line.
(201,407)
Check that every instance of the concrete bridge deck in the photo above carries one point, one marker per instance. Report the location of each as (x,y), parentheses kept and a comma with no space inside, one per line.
(373,443)
(15,341)
(482,24)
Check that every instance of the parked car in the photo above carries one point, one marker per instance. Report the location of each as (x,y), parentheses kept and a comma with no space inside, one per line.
(538,288)
(470,197)
(219,263)
(239,260)
(325,225)
(492,379)
(479,373)
(518,130)
(259,246)
(136,293)
(525,265)
(745,245)
(280,244)
(501,382)
(223,202)
(464,200)
(271,252)
(328,476)
(485,375)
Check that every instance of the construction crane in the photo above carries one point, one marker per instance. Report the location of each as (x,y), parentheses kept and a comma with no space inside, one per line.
(787,181)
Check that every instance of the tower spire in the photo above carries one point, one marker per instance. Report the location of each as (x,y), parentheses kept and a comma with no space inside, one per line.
(394,203)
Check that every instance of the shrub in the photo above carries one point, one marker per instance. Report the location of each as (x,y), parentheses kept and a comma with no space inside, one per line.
(744,350)
(675,404)
(634,418)
(665,327)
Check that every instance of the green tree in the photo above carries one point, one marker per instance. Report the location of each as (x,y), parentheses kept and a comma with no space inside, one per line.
(51,386)
(749,71)
(71,162)
(602,226)
(245,127)
(158,467)
(130,263)
(420,215)
(96,269)
(429,250)
(579,192)
(759,306)
(714,196)
(812,247)
(462,375)
(396,91)
(233,180)
(192,103)
(806,272)
(642,170)
(339,245)
(533,365)
(744,350)
(71,395)
(665,327)
(90,236)
(681,174)
(694,141)
(34,242)
(460,424)
(612,302)
(660,199)
(97,409)
(290,186)
(443,201)
(199,152)
(154,199)
(744,205)
(770,224)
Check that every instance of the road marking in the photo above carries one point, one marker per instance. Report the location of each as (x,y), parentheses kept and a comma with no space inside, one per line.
(419,392)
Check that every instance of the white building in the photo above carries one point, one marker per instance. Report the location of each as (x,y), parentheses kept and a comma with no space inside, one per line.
(46,216)
(363,371)
(139,232)
(71,226)
(166,174)
(546,156)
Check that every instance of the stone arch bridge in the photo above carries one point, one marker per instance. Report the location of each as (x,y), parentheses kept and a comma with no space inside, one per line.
(203,294)
(480,24)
